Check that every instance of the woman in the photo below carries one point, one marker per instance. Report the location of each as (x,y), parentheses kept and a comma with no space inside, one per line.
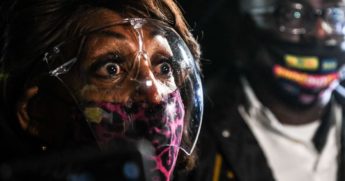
(76,73)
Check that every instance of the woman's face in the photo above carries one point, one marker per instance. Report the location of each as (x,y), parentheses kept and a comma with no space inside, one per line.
(124,82)
(122,64)
(132,81)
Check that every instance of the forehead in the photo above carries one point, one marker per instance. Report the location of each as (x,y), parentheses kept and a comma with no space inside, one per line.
(98,18)
(127,39)
(322,3)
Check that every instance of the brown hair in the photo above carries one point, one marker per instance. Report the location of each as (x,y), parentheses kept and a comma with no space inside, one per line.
(33,26)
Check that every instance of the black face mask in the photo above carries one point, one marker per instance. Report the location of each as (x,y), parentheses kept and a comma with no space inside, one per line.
(303,72)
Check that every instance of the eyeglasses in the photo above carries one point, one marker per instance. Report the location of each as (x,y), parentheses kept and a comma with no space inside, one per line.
(301,18)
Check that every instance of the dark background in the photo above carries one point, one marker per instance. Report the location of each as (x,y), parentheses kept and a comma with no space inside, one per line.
(215,24)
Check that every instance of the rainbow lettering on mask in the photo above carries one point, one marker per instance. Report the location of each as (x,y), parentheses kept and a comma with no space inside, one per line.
(303,79)
(329,65)
(302,63)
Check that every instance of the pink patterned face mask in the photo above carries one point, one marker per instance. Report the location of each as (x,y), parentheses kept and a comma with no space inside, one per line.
(161,124)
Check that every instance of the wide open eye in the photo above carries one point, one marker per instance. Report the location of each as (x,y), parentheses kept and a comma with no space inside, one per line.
(163,69)
(109,70)
(107,67)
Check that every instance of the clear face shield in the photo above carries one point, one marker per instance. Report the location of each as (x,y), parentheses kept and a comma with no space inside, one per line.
(133,79)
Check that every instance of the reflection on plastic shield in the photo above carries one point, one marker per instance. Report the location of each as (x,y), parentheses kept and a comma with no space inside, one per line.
(134,79)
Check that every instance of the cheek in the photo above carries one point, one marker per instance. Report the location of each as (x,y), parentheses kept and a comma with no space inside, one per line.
(95,94)
(50,116)
(167,86)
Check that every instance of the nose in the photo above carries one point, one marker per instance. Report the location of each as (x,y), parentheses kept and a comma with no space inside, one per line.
(322,29)
(147,87)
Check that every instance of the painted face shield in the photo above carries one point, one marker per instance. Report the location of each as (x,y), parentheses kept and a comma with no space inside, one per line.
(133,79)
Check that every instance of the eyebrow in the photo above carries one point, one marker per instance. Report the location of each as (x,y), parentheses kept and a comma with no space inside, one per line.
(156,32)
(116,35)
(112,34)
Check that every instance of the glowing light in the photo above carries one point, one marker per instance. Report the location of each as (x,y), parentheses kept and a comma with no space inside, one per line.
(148,83)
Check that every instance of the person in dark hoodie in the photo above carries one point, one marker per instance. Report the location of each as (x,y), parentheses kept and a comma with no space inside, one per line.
(86,83)
(280,114)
